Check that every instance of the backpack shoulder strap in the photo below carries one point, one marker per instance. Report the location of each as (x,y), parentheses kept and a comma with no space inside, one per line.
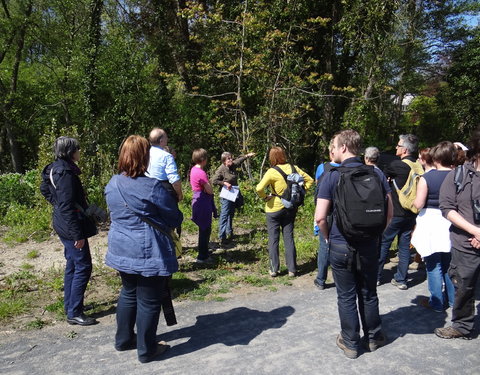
(51,179)
(279,170)
(293,168)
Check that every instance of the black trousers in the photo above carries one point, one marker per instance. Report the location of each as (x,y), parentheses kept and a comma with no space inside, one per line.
(464,272)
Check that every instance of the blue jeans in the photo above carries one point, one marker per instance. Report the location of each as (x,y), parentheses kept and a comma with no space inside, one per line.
(401,226)
(437,266)
(322,260)
(139,304)
(355,274)
(227,213)
(77,273)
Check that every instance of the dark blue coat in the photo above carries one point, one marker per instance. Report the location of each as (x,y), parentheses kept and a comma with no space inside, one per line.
(134,246)
(68,192)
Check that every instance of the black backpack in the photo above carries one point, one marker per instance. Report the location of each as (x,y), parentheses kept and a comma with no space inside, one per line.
(360,206)
(294,195)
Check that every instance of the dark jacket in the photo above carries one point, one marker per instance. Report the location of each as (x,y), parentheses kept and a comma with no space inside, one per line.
(68,221)
(228,174)
(399,171)
(462,203)
(134,246)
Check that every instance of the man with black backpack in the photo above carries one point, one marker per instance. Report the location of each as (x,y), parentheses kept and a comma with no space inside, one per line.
(361,201)
(403,220)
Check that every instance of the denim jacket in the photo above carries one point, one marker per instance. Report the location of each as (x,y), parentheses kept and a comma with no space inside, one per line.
(134,246)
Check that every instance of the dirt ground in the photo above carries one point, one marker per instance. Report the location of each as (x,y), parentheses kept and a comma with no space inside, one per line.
(49,259)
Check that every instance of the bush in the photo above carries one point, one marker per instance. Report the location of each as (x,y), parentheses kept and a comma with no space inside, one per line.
(18,188)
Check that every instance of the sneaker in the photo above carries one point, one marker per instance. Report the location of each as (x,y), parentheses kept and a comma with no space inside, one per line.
(451,333)
(272,273)
(318,285)
(291,274)
(394,260)
(349,353)
(374,344)
(399,285)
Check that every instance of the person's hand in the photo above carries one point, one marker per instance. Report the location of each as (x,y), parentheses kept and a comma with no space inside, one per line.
(250,154)
(227,185)
(475,243)
(79,244)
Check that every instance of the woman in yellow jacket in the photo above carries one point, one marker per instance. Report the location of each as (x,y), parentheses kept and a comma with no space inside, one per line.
(277,215)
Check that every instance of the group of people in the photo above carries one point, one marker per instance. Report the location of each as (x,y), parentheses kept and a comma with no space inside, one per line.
(446,234)
(143,203)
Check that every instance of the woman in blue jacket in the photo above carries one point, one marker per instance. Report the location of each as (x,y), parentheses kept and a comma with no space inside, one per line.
(61,186)
(143,213)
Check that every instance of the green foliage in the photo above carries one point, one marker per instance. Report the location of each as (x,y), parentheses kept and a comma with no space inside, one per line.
(26,223)
(17,188)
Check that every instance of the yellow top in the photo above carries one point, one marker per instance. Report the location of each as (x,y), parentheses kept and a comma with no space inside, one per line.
(274,179)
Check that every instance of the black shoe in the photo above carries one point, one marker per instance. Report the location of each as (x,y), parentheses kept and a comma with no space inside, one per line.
(130,346)
(161,348)
(318,285)
(82,320)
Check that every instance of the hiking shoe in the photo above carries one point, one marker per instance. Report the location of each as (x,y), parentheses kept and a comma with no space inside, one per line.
(424,302)
(318,285)
(374,344)
(272,273)
(451,333)
(349,353)
(399,285)
(292,274)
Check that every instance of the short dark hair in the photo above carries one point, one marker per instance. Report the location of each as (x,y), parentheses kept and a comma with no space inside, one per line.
(277,156)
(199,155)
(65,147)
(426,154)
(444,153)
(134,156)
(410,143)
(351,139)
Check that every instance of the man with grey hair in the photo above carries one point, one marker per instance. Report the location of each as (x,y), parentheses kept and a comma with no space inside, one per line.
(371,156)
(162,165)
(403,220)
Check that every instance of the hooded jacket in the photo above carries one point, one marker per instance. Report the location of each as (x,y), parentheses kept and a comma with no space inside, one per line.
(65,196)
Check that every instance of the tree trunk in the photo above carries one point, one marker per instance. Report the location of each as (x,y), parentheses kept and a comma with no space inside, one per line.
(9,125)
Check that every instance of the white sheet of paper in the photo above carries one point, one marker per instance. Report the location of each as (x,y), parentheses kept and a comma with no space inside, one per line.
(231,194)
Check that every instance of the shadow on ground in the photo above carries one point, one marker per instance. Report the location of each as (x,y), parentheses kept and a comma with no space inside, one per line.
(238,326)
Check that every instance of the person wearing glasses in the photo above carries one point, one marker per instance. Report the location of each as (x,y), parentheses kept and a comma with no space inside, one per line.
(403,220)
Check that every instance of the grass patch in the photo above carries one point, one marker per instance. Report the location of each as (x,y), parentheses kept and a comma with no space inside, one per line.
(33,254)
(37,323)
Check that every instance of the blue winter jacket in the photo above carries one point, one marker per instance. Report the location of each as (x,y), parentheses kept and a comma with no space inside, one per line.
(134,246)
